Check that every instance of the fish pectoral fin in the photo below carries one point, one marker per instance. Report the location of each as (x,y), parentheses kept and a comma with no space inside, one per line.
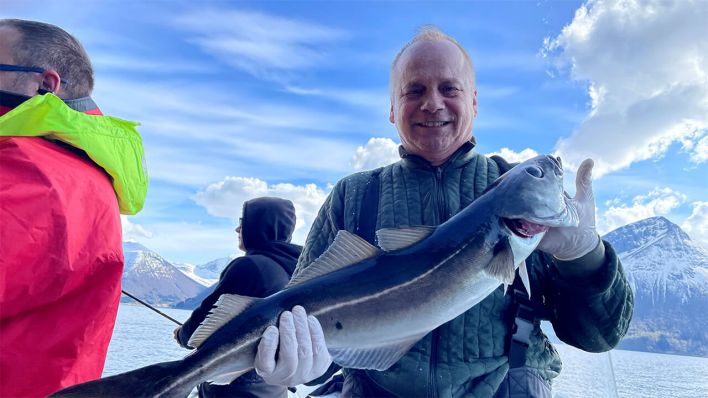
(227,378)
(524,275)
(501,266)
(378,358)
(390,239)
(227,307)
(346,249)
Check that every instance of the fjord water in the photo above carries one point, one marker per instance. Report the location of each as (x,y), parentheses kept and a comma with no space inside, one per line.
(142,337)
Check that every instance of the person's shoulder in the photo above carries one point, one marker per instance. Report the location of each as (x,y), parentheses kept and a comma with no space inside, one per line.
(359,178)
(240,266)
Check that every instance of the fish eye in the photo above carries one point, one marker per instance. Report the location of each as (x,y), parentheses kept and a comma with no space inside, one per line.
(534,171)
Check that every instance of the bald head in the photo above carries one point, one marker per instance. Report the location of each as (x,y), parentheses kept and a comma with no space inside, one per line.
(429,34)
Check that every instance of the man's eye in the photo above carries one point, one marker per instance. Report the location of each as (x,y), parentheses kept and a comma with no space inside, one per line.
(413,92)
(451,90)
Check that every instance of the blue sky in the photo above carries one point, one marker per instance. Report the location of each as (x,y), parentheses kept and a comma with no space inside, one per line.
(244,99)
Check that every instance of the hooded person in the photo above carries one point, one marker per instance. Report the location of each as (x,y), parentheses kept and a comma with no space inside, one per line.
(265,230)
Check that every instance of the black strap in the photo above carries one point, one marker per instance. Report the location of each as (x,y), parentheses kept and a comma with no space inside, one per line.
(369,211)
(523,324)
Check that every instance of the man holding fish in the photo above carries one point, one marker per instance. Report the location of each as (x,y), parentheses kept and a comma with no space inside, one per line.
(578,279)
(425,311)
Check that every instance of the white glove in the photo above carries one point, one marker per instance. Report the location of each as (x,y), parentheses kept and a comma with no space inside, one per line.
(570,243)
(303,355)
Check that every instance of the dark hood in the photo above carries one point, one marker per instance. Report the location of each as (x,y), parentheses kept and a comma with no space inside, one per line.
(267,220)
(267,226)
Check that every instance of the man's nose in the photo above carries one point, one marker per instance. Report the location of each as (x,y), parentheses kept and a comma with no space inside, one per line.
(432,102)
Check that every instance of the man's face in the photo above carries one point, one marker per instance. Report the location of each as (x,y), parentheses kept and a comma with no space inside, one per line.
(20,83)
(239,231)
(433,100)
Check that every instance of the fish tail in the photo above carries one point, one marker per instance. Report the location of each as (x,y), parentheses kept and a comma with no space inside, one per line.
(158,380)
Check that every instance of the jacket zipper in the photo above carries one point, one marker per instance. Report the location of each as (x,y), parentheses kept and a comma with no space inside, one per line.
(433,372)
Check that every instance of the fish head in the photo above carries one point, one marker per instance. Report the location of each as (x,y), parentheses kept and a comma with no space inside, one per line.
(528,200)
(533,192)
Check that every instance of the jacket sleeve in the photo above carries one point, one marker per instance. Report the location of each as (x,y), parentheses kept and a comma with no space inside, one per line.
(239,277)
(591,311)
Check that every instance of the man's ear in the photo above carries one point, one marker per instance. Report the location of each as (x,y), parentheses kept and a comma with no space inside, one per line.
(474,104)
(390,115)
(51,81)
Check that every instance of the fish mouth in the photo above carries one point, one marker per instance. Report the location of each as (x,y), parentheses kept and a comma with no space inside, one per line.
(524,228)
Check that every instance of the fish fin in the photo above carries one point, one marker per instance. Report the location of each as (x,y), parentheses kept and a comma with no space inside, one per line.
(227,307)
(379,358)
(227,378)
(502,265)
(346,249)
(524,275)
(150,381)
(391,239)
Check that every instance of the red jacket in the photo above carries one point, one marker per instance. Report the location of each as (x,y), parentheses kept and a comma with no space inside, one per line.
(61,262)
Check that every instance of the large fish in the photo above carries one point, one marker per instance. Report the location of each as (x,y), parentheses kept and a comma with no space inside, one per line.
(374,303)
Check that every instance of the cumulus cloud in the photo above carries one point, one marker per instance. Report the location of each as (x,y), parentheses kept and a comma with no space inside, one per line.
(659,201)
(515,157)
(647,69)
(700,151)
(225,199)
(696,225)
(133,232)
(377,152)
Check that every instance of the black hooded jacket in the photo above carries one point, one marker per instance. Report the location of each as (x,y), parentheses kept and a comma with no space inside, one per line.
(267,225)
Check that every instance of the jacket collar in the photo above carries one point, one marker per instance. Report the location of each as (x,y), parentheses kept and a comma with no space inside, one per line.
(10,100)
(462,156)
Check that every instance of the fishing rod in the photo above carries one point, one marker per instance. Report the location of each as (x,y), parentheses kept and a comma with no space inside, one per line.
(151,307)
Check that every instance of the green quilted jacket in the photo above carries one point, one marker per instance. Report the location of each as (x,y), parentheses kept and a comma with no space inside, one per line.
(467,356)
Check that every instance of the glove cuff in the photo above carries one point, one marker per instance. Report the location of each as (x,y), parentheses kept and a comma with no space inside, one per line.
(586,246)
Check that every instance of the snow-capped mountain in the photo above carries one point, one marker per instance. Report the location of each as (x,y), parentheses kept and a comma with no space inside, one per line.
(190,270)
(212,270)
(153,279)
(669,276)
(210,273)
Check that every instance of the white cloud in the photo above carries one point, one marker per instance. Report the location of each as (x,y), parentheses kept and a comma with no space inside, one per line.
(132,231)
(376,153)
(648,72)
(700,151)
(225,199)
(515,157)
(259,43)
(659,201)
(696,225)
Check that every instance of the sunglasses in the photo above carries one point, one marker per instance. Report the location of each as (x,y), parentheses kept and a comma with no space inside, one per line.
(27,69)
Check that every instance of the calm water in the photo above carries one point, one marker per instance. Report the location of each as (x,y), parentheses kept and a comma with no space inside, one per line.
(143,337)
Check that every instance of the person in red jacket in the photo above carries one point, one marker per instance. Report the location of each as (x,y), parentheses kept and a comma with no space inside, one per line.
(66,174)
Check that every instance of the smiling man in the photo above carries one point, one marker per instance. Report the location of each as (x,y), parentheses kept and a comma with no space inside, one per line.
(66,172)
(577,279)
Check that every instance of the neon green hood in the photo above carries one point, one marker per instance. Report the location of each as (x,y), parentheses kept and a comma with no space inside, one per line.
(112,143)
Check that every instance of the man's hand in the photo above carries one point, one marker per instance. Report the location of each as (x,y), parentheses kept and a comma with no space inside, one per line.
(302,354)
(570,243)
